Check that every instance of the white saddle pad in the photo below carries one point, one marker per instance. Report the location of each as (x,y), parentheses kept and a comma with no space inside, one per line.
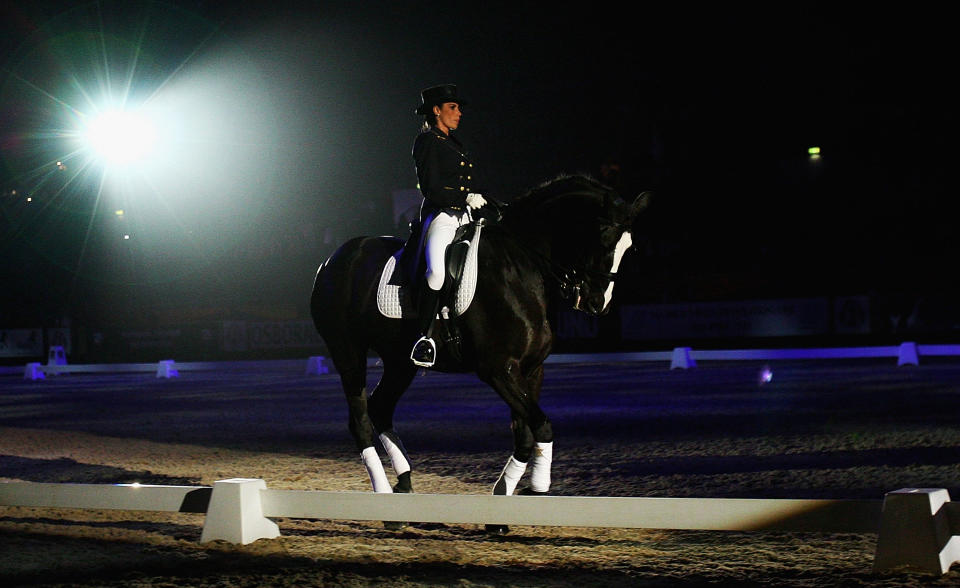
(396,302)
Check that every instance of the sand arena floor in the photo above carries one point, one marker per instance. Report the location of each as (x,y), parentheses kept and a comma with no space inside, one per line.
(854,429)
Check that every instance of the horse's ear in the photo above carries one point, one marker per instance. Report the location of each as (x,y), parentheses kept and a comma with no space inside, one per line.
(640,203)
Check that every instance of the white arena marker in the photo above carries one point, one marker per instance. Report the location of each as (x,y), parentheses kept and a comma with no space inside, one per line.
(166,369)
(33,371)
(316,366)
(682,359)
(907,354)
(918,532)
(235,513)
(56,355)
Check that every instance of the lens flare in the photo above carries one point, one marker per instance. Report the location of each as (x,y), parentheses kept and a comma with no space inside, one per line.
(121,137)
(765,376)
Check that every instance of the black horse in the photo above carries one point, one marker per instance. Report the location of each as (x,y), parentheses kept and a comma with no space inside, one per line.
(568,234)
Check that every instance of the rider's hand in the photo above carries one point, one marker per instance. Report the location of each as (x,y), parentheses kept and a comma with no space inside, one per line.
(475,200)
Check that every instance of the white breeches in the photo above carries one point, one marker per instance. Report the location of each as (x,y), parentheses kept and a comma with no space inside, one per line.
(441,228)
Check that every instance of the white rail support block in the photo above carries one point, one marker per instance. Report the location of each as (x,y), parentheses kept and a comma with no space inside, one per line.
(682,359)
(235,513)
(166,369)
(56,355)
(33,371)
(918,532)
(907,354)
(316,366)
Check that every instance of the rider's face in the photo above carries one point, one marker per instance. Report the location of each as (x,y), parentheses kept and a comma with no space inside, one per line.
(448,116)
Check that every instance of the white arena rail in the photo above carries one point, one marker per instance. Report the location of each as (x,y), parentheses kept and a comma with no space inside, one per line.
(918,528)
(908,353)
(165,368)
(715,514)
(107,496)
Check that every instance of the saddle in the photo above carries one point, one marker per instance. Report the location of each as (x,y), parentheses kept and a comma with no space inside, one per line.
(402,277)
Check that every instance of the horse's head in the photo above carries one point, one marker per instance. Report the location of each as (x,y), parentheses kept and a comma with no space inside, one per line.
(588,227)
(602,240)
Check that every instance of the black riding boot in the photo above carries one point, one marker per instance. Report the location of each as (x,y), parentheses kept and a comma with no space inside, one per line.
(424,352)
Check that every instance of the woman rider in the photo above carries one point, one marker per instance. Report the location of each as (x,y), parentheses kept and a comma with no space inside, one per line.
(446,179)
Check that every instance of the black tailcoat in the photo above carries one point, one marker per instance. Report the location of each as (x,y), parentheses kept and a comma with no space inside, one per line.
(444,170)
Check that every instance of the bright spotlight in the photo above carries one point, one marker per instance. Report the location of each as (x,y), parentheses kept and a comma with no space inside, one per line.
(120,137)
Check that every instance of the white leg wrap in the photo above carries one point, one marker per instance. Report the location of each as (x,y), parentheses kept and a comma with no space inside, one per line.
(378,477)
(398,457)
(541,460)
(511,474)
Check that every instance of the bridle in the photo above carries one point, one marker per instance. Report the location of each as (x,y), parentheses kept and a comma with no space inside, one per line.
(571,284)
(571,280)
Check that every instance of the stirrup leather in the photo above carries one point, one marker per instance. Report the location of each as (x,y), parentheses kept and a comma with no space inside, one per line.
(424,353)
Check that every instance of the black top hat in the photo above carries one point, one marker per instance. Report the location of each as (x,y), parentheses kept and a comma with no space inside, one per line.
(438,95)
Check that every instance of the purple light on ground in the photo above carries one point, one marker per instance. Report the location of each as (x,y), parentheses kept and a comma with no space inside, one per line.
(766,375)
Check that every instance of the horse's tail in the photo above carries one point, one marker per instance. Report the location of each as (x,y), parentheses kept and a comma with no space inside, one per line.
(344,299)
(315,295)
(347,276)
(324,284)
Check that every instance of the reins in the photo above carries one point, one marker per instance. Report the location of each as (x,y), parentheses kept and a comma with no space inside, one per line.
(570,280)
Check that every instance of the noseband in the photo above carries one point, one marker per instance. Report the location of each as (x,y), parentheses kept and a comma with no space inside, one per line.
(571,281)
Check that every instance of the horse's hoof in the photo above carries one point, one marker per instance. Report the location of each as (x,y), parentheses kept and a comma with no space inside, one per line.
(497,529)
(531,492)
(395,525)
(403,485)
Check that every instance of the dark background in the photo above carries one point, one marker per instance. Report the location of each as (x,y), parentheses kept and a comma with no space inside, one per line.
(712,107)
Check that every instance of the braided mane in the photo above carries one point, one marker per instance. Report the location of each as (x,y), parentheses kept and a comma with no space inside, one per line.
(561,185)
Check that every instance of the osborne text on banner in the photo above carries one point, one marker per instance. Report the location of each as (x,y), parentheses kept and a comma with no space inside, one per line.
(21,342)
(253,335)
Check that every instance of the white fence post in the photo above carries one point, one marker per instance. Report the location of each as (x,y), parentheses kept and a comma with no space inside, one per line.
(33,371)
(235,513)
(56,355)
(166,369)
(682,359)
(316,366)
(916,532)
(907,355)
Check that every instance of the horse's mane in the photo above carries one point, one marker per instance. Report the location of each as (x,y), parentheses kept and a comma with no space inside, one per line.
(540,198)
(561,185)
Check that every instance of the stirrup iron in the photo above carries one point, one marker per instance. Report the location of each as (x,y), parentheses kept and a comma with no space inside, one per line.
(424,353)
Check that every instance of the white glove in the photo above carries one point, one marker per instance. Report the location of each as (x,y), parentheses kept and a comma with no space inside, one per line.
(475,200)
